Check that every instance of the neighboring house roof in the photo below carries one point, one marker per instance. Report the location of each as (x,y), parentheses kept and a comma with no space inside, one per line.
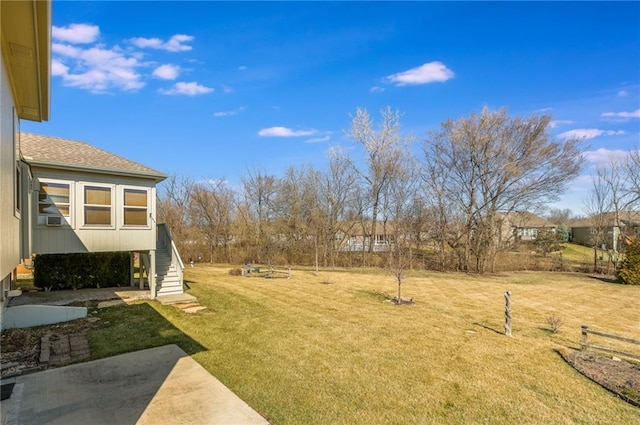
(627,218)
(56,152)
(522,219)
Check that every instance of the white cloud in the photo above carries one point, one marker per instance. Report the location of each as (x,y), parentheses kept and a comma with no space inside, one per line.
(623,93)
(242,68)
(376,89)
(589,133)
(284,132)
(58,68)
(236,111)
(319,139)
(187,89)
(625,115)
(96,69)
(76,33)
(166,72)
(604,156)
(174,44)
(428,73)
(555,123)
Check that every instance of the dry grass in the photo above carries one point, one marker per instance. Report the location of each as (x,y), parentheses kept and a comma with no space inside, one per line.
(302,351)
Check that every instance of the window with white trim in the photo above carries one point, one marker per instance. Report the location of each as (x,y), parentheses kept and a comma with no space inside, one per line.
(136,207)
(98,205)
(54,200)
(384,239)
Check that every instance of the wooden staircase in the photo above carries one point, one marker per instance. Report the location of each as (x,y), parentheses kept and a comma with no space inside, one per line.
(168,265)
(168,275)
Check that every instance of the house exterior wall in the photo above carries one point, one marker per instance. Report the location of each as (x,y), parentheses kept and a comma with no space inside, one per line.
(74,235)
(9,220)
(583,236)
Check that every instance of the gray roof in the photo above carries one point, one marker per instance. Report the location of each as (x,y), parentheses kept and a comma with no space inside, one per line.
(71,154)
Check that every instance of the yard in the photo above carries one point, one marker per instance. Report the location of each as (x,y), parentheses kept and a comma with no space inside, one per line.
(330,349)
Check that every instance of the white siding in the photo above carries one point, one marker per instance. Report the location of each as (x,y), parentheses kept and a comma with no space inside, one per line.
(9,223)
(76,236)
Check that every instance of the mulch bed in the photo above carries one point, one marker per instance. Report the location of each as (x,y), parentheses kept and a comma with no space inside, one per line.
(619,376)
(21,346)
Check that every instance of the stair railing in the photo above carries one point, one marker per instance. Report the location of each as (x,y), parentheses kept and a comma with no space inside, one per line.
(164,236)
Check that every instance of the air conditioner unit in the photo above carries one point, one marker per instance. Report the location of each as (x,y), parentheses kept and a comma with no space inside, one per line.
(54,220)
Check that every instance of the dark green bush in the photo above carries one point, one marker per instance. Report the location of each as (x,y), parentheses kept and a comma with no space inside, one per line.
(629,272)
(81,270)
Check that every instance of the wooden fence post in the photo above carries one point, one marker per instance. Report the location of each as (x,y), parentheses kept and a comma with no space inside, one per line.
(585,337)
(507,313)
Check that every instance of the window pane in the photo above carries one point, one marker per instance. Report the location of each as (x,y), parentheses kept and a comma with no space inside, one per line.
(55,189)
(97,215)
(97,195)
(53,199)
(49,209)
(135,198)
(135,217)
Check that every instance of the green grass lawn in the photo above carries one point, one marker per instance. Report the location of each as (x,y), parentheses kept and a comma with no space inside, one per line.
(330,349)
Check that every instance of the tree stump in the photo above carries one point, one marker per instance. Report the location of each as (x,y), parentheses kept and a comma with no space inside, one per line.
(507,313)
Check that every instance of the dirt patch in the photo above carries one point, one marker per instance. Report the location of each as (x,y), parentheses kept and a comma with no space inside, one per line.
(617,375)
(21,347)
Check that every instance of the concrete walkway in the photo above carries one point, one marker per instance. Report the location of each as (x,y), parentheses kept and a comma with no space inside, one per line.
(157,386)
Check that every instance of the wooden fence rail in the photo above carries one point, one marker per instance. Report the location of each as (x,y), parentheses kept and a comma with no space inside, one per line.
(586,345)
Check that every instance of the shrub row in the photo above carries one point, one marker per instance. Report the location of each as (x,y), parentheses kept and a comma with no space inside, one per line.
(85,270)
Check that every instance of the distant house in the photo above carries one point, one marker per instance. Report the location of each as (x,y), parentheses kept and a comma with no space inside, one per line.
(607,231)
(79,198)
(25,28)
(356,237)
(522,226)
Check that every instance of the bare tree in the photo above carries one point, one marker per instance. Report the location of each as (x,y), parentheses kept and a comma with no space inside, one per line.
(259,196)
(211,209)
(385,150)
(174,196)
(632,171)
(597,205)
(336,195)
(398,212)
(498,163)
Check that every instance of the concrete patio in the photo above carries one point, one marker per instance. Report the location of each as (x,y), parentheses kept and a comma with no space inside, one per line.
(161,385)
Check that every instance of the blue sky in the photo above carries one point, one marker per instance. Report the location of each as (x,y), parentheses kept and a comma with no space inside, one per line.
(212,90)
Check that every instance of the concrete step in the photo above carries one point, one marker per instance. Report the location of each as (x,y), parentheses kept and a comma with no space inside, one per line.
(170,299)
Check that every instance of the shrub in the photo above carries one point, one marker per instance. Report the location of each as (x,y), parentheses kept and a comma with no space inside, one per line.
(81,270)
(554,323)
(629,272)
(235,272)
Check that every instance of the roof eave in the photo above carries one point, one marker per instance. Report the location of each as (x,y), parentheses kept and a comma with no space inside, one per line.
(26,39)
(157,177)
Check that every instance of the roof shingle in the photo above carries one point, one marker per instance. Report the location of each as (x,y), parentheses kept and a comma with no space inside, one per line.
(57,152)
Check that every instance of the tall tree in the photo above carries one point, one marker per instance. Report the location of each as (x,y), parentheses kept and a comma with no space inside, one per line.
(211,208)
(259,195)
(632,171)
(497,163)
(174,196)
(336,194)
(385,150)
